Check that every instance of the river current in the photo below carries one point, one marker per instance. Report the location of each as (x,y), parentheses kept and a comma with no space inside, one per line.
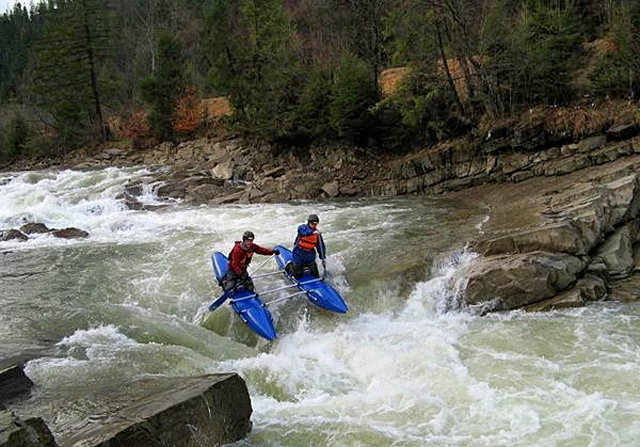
(397,370)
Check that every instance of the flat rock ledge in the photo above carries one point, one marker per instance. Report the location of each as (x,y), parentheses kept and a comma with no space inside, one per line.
(209,410)
(557,242)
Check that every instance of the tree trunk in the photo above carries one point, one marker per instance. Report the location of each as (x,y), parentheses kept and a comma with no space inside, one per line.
(446,68)
(92,71)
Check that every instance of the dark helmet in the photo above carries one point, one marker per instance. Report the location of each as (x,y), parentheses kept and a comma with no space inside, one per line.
(313,218)
(248,235)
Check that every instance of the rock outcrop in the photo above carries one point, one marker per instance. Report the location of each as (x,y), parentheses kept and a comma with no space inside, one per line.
(12,235)
(206,410)
(14,383)
(34,228)
(40,228)
(70,233)
(557,242)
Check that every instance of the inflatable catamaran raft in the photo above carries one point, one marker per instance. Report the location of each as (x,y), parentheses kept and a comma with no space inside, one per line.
(254,311)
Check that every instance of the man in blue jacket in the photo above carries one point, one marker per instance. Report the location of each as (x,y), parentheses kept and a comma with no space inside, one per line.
(308,241)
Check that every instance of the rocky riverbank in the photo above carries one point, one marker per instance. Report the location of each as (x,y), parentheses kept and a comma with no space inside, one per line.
(563,225)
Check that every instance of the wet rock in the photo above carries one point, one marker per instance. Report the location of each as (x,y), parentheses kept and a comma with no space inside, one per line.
(229,198)
(511,282)
(206,410)
(617,251)
(131,202)
(34,228)
(70,233)
(11,235)
(588,289)
(14,383)
(626,290)
(203,194)
(133,189)
(175,190)
(30,433)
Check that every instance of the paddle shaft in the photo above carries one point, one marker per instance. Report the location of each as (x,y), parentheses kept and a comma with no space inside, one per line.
(262,264)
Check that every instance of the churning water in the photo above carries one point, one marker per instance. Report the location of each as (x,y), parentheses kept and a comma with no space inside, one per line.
(396,371)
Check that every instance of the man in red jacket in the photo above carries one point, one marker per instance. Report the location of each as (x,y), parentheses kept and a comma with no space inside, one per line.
(239,260)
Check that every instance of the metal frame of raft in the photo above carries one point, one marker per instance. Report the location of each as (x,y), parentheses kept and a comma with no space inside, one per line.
(254,312)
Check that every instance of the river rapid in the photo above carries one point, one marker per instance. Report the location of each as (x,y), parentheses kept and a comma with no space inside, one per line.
(397,370)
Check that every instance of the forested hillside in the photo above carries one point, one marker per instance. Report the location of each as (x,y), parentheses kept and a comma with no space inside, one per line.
(78,72)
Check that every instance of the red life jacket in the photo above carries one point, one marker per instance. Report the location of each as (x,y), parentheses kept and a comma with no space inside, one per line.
(308,243)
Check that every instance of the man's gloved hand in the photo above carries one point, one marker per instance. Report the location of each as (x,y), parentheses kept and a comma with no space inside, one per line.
(276,251)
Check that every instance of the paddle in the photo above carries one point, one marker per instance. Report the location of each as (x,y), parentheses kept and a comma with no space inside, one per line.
(323,255)
(225,296)
(219,302)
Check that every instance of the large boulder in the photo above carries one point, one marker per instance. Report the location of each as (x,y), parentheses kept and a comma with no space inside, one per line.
(12,235)
(30,433)
(209,410)
(70,233)
(34,228)
(14,383)
(512,281)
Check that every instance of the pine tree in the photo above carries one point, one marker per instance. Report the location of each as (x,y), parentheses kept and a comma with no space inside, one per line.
(618,72)
(253,61)
(163,88)
(76,41)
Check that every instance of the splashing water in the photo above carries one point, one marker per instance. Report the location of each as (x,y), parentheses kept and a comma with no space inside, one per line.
(398,370)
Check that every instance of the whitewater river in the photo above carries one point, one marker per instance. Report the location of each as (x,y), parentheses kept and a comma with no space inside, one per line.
(397,370)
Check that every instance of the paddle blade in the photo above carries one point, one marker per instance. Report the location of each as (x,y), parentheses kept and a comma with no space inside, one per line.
(218,302)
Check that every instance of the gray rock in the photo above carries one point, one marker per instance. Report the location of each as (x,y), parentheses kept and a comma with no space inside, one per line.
(588,289)
(223,171)
(592,143)
(553,237)
(131,202)
(14,383)
(229,198)
(33,228)
(30,433)
(209,410)
(12,234)
(511,282)
(275,172)
(70,233)
(617,251)
(350,191)
(622,132)
(203,194)
(332,189)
